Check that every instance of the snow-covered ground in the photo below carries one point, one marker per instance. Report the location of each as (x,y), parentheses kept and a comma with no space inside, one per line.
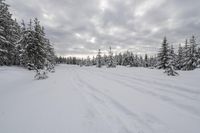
(92,100)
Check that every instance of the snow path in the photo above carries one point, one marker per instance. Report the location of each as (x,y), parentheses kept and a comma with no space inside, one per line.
(92,100)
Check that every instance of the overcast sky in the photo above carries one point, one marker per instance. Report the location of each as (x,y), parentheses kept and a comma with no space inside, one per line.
(80,27)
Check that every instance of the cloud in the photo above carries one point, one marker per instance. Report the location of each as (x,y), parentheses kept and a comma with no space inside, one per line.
(81,27)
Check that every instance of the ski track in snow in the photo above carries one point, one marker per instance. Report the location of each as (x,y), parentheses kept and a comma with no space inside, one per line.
(92,100)
(143,87)
(125,116)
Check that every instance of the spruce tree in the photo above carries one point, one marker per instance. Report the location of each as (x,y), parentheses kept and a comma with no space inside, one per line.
(28,46)
(119,59)
(99,59)
(93,60)
(179,60)
(163,55)
(16,33)
(172,56)
(170,68)
(146,61)
(131,60)
(6,44)
(111,61)
(126,58)
(39,53)
(104,59)
(191,56)
(88,62)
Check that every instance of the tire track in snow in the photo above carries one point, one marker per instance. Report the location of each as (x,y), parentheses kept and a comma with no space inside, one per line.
(124,114)
(140,88)
(178,88)
(157,87)
(94,122)
(99,108)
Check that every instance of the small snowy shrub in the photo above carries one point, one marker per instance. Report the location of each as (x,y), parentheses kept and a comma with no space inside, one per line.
(171,72)
(50,68)
(41,74)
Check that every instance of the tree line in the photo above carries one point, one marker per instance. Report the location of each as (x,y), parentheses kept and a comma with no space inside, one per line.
(186,58)
(23,44)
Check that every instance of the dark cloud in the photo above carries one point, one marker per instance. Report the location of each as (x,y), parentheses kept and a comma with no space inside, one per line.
(80,27)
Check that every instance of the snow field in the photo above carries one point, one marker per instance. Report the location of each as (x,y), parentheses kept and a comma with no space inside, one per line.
(99,100)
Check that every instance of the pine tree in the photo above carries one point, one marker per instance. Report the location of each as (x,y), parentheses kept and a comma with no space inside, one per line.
(131,59)
(172,57)
(39,53)
(191,56)
(111,62)
(146,62)
(51,58)
(16,33)
(22,45)
(99,59)
(153,62)
(163,55)
(179,60)
(88,62)
(126,58)
(7,46)
(136,61)
(104,59)
(186,52)
(170,67)
(28,45)
(93,60)
(119,59)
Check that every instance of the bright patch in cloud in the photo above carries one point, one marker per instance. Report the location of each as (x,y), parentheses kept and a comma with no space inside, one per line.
(92,40)
(103,5)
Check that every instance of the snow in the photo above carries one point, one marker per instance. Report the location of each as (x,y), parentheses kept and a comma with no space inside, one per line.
(99,100)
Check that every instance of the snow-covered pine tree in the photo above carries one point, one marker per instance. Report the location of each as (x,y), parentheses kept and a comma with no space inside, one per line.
(104,59)
(179,59)
(131,59)
(186,51)
(88,61)
(39,53)
(125,58)
(111,61)
(191,56)
(16,33)
(170,67)
(163,55)
(173,57)
(153,62)
(22,45)
(93,60)
(119,59)
(136,61)
(146,61)
(28,45)
(50,59)
(6,47)
(99,59)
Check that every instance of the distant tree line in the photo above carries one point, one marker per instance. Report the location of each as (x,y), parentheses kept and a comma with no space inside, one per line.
(24,45)
(186,58)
